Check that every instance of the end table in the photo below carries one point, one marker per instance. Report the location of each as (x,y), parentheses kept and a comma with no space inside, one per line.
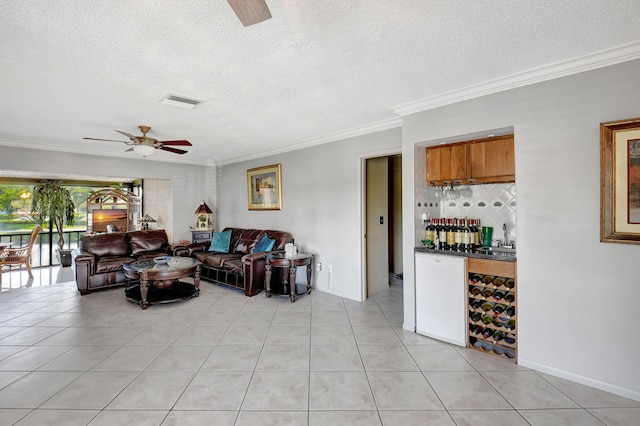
(290,265)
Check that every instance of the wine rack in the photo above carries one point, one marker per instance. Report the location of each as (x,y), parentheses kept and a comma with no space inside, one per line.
(492,307)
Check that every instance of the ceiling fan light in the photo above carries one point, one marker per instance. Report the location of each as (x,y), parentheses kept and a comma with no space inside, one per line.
(144,150)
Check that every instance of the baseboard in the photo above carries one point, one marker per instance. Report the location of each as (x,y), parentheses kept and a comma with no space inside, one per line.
(587,381)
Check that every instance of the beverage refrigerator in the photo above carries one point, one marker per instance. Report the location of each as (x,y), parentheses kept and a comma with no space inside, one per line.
(441,311)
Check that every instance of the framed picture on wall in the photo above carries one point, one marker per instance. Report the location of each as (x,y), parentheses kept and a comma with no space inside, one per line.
(264,188)
(620,181)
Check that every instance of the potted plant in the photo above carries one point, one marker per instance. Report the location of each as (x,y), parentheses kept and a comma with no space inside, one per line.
(53,201)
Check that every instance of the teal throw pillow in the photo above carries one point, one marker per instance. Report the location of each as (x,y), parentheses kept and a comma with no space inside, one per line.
(264,244)
(221,241)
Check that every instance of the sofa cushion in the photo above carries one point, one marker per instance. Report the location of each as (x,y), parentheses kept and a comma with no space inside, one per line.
(147,241)
(100,245)
(264,244)
(111,263)
(215,260)
(220,241)
(246,241)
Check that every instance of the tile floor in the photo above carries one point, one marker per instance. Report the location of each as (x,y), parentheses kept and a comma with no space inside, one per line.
(226,359)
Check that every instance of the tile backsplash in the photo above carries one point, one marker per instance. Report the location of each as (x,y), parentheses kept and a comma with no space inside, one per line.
(493,204)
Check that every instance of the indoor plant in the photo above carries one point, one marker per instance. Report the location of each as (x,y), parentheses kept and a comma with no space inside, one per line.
(53,201)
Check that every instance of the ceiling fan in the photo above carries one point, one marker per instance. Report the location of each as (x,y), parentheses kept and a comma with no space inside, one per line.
(250,11)
(144,145)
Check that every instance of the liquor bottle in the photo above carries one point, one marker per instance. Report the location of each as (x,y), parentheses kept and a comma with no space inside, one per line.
(510,297)
(458,235)
(451,235)
(510,311)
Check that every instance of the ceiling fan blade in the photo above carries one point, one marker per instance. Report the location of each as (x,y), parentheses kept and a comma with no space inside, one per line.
(176,143)
(129,135)
(105,140)
(250,11)
(174,150)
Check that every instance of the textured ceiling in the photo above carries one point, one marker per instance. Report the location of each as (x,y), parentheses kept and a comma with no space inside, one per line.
(316,70)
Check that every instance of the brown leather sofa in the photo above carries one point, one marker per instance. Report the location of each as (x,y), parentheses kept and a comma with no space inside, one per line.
(98,260)
(240,267)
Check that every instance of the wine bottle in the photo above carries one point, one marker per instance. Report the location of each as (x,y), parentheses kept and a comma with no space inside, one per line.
(487,333)
(476,316)
(466,236)
(498,335)
(487,306)
(497,310)
(476,329)
(451,235)
(478,233)
(487,319)
(475,303)
(458,235)
(487,292)
(476,278)
(510,283)
(511,324)
(510,297)
(510,311)
(498,294)
(428,233)
(442,235)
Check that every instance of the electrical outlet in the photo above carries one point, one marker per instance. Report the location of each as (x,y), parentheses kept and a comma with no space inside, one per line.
(318,266)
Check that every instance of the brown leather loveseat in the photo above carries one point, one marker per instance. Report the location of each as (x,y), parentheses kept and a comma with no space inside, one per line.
(98,260)
(241,266)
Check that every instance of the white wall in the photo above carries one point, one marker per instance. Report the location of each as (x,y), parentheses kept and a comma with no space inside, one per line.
(321,204)
(577,297)
(191,184)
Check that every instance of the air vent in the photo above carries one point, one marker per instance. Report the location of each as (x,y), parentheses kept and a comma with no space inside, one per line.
(181,101)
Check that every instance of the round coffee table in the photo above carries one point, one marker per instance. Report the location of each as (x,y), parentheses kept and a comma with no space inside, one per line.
(160,282)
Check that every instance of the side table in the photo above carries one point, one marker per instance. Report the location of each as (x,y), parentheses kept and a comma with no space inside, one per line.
(290,265)
(201,236)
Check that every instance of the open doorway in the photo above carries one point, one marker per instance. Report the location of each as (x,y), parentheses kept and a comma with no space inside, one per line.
(383,222)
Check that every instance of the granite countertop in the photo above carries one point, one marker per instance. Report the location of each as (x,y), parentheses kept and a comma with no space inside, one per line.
(503,257)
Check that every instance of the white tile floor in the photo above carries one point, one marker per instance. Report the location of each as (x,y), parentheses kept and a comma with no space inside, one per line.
(226,359)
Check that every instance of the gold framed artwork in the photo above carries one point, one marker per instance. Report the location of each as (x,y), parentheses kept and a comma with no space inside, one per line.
(620,181)
(264,188)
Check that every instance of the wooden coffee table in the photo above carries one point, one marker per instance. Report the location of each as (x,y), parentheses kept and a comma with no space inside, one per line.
(160,282)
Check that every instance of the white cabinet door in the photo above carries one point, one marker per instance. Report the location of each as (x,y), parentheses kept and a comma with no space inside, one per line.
(440,297)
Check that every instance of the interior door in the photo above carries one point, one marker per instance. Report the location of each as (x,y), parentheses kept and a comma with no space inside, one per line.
(377,229)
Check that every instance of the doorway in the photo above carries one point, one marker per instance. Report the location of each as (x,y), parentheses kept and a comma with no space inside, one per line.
(383,222)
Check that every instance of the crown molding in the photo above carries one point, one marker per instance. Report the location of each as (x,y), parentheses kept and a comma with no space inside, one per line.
(391,123)
(624,53)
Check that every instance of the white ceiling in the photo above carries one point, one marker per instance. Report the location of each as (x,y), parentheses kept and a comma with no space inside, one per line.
(317,71)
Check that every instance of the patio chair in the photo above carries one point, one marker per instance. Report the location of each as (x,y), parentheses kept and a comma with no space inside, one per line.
(19,255)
